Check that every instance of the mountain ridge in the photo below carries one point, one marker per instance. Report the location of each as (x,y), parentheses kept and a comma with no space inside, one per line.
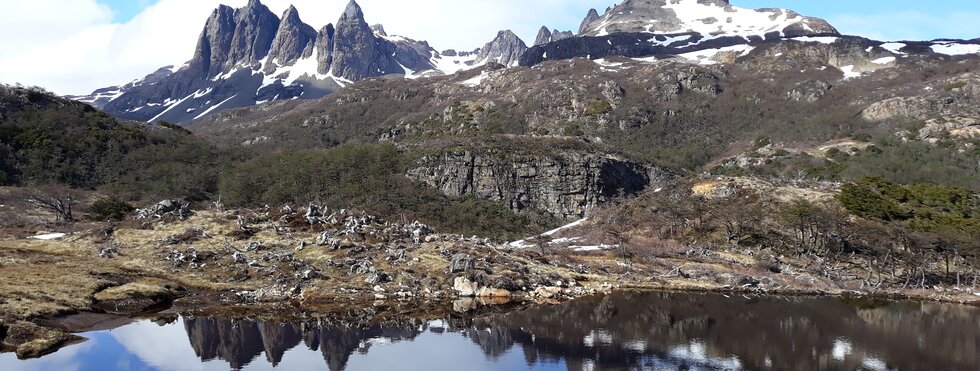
(250,56)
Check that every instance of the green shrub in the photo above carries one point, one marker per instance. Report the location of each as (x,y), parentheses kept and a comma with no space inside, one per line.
(598,107)
(110,209)
(572,131)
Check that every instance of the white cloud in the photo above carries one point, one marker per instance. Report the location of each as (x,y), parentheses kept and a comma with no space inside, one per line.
(71,46)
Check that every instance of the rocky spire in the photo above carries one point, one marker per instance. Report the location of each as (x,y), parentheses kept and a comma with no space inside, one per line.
(215,42)
(357,52)
(324,49)
(255,28)
(592,16)
(544,36)
(561,35)
(294,40)
(505,49)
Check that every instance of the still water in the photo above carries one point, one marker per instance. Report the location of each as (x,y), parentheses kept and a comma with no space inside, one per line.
(622,331)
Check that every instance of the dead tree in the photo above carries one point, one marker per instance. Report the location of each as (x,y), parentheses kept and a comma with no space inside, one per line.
(61,207)
(542,241)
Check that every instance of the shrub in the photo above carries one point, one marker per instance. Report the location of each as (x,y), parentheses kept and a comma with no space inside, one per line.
(110,208)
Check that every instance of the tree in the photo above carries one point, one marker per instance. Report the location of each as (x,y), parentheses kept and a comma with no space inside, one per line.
(60,206)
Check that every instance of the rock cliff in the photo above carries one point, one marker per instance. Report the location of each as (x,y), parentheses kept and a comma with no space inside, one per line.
(567,185)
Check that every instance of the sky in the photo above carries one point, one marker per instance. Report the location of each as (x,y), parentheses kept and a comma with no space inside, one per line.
(76,46)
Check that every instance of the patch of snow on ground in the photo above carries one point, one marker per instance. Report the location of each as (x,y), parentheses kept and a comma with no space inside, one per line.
(849,72)
(170,105)
(885,60)
(745,22)
(670,40)
(593,248)
(476,80)
(956,49)
(704,57)
(523,243)
(212,108)
(49,236)
(895,48)
(451,65)
(816,39)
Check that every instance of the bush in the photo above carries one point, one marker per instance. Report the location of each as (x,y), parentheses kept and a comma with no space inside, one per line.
(597,108)
(110,209)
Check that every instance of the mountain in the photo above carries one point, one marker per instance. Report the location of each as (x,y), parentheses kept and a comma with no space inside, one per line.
(250,56)
(707,17)
(546,36)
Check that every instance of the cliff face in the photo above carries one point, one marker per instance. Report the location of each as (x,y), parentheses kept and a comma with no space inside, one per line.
(567,185)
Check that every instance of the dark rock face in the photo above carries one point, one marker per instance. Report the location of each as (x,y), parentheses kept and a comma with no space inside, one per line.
(293,41)
(214,45)
(567,185)
(592,16)
(358,53)
(255,28)
(505,49)
(324,48)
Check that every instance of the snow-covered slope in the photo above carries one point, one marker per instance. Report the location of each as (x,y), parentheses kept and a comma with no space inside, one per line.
(707,17)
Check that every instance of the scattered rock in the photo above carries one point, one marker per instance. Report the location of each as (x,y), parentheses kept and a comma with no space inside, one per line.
(460,263)
(133,298)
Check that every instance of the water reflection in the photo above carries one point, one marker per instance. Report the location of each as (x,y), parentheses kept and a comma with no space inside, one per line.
(657,331)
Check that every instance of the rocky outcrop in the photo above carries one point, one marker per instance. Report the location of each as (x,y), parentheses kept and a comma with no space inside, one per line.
(592,16)
(293,41)
(567,185)
(506,49)
(324,48)
(546,36)
(358,53)
(255,29)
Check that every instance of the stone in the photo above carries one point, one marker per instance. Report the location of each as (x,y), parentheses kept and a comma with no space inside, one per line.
(547,292)
(460,263)
(489,292)
(464,287)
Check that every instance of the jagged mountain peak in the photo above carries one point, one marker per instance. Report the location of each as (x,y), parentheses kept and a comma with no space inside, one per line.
(505,49)
(707,17)
(590,17)
(294,40)
(352,11)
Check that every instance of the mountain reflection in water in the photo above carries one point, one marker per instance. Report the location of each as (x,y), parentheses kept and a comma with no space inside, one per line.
(658,331)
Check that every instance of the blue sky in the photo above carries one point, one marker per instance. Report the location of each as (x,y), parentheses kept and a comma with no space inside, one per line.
(125,10)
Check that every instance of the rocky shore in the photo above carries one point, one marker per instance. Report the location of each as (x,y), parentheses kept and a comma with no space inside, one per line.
(170,258)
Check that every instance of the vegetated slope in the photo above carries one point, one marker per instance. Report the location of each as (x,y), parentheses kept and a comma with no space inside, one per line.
(46,140)
(49,140)
(796,94)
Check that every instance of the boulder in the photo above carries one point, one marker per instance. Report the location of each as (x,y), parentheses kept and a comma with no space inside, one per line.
(464,287)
